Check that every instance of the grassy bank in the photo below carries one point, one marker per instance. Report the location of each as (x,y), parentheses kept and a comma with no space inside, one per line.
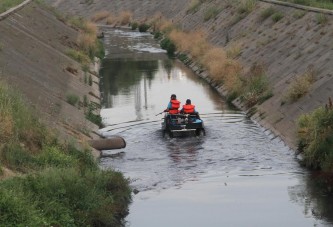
(54,184)
(7,4)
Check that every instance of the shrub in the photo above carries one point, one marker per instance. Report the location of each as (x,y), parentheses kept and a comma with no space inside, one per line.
(315,138)
(158,35)
(256,86)
(277,16)
(143,27)
(72,99)
(134,25)
(168,45)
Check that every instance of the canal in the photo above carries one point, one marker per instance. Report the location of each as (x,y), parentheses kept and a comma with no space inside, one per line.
(239,174)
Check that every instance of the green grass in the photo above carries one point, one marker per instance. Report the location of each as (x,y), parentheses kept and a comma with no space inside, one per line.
(91,116)
(7,4)
(59,184)
(65,197)
(324,4)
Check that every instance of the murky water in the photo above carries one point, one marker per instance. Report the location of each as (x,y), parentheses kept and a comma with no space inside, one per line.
(237,175)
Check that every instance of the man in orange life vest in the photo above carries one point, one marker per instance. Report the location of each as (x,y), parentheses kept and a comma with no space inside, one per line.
(173,105)
(188,108)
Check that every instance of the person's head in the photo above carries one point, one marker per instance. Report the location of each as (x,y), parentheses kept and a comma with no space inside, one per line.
(173,96)
(188,101)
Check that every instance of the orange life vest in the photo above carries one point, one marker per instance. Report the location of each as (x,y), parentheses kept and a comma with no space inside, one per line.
(188,108)
(175,104)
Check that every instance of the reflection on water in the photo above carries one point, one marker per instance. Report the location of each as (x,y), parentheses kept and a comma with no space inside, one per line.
(237,175)
(315,194)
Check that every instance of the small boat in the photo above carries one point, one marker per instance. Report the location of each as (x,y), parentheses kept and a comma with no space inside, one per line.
(182,124)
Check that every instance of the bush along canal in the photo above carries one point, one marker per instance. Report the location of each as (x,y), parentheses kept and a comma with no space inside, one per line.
(239,174)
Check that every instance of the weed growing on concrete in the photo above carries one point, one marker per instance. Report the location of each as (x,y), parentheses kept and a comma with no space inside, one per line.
(72,99)
(300,86)
(91,116)
(194,6)
(255,86)
(321,18)
(267,13)
(298,14)
(211,13)
(277,16)
(233,51)
(246,6)
(79,56)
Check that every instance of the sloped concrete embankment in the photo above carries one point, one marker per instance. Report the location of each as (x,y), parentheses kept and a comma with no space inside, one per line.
(286,48)
(33,60)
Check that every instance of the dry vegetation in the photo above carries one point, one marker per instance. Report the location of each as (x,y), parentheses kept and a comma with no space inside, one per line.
(300,86)
(99,16)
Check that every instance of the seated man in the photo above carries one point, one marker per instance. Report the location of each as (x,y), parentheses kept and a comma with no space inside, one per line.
(173,105)
(188,108)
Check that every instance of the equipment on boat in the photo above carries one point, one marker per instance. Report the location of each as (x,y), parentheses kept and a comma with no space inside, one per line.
(180,124)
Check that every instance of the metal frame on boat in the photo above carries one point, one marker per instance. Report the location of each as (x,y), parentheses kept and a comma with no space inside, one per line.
(180,124)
